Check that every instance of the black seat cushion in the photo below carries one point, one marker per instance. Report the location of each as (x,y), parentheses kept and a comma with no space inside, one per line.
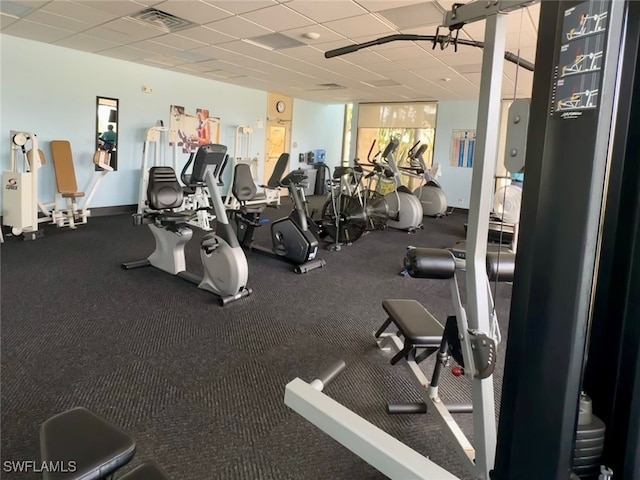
(97,447)
(146,471)
(415,323)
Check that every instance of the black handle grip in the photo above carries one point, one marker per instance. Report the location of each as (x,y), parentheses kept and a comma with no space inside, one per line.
(411,149)
(391,147)
(332,372)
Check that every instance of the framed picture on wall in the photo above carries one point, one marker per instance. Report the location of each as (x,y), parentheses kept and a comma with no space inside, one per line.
(463,148)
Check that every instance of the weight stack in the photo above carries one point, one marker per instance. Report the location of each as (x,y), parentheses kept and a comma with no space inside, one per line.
(589,442)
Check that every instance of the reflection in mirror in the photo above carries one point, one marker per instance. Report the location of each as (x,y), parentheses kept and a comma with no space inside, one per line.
(107,128)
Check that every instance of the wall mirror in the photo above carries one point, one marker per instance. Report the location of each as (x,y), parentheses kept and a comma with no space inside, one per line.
(107,128)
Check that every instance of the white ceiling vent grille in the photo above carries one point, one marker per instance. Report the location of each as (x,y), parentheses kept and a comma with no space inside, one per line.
(327,86)
(161,20)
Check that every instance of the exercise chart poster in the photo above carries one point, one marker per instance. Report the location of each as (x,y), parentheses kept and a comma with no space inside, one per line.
(463,144)
(192,131)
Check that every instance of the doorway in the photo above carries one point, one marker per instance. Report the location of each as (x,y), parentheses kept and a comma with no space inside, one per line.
(278,141)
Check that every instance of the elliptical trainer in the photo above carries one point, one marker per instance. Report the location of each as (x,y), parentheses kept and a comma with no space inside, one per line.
(430,193)
(405,210)
(292,239)
(225,265)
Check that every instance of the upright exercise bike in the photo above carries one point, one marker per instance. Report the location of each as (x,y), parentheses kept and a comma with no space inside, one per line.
(293,240)
(223,260)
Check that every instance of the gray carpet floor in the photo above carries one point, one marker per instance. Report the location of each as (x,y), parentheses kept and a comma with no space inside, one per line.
(200,387)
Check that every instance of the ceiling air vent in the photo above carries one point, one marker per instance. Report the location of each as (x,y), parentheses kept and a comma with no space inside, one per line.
(329,86)
(161,20)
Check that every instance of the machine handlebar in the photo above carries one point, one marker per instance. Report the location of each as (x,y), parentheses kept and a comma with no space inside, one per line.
(391,147)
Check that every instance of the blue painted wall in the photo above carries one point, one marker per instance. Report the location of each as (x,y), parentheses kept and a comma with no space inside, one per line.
(455,181)
(317,127)
(51,91)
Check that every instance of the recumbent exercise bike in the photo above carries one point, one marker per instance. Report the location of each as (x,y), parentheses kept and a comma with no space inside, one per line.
(225,265)
(293,240)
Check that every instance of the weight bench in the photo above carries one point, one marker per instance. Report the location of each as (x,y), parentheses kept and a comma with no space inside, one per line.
(84,446)
(418,329)
(415,324)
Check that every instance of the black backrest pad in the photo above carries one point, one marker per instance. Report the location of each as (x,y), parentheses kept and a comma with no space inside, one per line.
(243,187)
(501,267)
(278,171)
(435,263)
(205,156)
(163,191)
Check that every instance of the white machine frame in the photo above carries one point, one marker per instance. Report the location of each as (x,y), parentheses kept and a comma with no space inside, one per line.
(20,187)
(242,153)
(22,206)
(156,137)
(391,457)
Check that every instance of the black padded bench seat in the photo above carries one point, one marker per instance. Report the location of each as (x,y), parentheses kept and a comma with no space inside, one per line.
(146,471)
(419,328)
(97,447)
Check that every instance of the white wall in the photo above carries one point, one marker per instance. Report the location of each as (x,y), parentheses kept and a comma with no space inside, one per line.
(51,91)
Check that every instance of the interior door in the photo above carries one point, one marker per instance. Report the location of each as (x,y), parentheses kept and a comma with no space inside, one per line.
(278,141)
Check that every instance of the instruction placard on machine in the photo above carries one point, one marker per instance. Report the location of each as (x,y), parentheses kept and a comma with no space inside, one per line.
(580,62)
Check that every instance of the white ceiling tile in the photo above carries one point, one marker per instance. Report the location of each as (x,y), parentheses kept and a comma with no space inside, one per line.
(279,17)
(365,57)
(534,15)
(6,20)
(244,48)
(157,48)
(36,31)
(326,35)
(205,35)
(18,9)
(238,27)
(200,67)
(163,60)
(417,15)
(358,26)
(126,53)
(176,41)
(78,12)
(86,43)
(309,54)
(232,66)
(406,51)
(115,7)
(378,5)
(434,73)
(214,52)
(123,30)
(326,46)
(193,10)
(241,6)
(324,11)
(53,20)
